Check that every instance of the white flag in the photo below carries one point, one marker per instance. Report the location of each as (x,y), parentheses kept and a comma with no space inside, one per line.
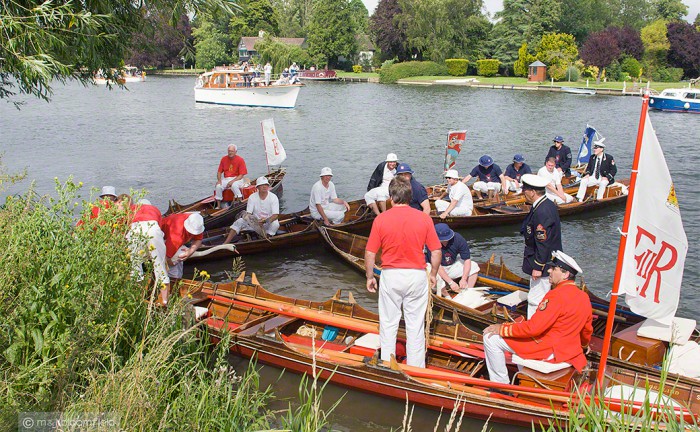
(652,269)
(273,147)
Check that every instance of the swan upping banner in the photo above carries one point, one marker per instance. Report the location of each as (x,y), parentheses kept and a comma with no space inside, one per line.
(455,141)
(273,147)
(654,256)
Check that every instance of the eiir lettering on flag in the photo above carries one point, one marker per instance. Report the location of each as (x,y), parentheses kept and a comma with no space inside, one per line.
(654,256)
(273,147)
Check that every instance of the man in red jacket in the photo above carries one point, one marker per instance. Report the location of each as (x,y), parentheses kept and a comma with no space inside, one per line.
(558,332)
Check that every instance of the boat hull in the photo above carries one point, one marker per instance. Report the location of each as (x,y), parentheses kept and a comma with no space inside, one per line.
(661,103)
(266,97)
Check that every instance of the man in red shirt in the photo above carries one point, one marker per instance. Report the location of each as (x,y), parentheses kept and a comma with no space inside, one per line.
(401,233)
(146,238)
(558,332)
(178,230)
(230,174)
(107,198)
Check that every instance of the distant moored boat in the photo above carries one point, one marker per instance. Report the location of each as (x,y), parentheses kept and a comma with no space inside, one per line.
(677,100)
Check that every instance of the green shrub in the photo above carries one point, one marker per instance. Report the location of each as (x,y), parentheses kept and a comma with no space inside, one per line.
(572,73)
(457,67)
(631,66)
(556,72)
(356,68)
(525,59)
(487,67)
(399,71)
(613,71)
(667,74)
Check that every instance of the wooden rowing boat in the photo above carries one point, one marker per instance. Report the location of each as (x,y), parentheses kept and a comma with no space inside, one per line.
(327,339)
(217,218)
(296,229)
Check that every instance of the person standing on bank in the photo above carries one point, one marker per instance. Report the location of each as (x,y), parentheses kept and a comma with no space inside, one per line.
(401,233)
(229,175)
(600,171)
(324,203)
(419,198)
(378,186)
(561,155)
(559,332)
(542,232)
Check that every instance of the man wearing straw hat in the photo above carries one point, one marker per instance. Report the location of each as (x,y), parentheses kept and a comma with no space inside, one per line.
(324,203)
(559,332)
(401,233)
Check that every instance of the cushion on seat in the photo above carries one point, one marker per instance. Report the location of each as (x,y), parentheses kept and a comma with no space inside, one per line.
(540,365)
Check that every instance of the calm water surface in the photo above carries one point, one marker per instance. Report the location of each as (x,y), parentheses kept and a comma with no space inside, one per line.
(154,137)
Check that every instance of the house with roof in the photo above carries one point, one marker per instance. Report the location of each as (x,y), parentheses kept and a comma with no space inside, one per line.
(246,46)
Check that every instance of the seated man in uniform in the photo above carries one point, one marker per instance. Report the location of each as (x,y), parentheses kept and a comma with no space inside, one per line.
(456,264)
(229,175)
(559,332)
(378,186)
(514,171)
(490,178)
(600,172)
(419,197)
(554,190)
(562,156)
(264,206)
(324,203)
(461,202)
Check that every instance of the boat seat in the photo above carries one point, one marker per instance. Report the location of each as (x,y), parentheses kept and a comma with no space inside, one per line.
(507,209)
(540,365)
(268,325)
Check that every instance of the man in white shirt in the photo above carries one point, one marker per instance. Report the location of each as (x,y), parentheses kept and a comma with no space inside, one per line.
(378,187)
(324,203)
(554,191)
(268,73)
(264,206)
(461,203)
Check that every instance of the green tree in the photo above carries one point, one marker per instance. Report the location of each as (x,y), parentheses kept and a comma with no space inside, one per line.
(583,17)
(360,16)
(557,49)
(633,13)
(669,9)
(280,54)
(293,16)
(42,42)
(656,45)
(211,45)
(331,32)
(256,15)
(524,60)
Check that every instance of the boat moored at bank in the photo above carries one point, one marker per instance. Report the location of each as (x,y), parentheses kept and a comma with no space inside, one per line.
(677,100)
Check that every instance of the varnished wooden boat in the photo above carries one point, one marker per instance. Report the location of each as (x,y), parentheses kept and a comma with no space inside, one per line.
(217,218)
(296,229)
(305,336)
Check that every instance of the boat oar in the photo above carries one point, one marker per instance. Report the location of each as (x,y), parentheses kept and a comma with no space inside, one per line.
(228,247)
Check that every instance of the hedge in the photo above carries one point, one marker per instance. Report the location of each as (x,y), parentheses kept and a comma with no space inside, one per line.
(457,67)
(391,74)
(487,67)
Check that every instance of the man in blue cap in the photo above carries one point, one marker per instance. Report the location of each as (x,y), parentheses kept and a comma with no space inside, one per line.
(490,179)
(457,271)
(419,198)
(514,171)
(561,155)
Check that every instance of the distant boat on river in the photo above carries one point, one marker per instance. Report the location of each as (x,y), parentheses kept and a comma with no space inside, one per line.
(579,91)
(677,100)
(318,75)
(239,88)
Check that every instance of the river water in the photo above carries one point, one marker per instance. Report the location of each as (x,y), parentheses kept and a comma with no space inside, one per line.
(154,137)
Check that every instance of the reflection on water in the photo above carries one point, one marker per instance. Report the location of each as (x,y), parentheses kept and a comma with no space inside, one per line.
(154,137)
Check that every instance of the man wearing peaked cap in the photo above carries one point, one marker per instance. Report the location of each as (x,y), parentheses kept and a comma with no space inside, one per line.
(324,203)
(461,203)
(264,206)
(561,154)
(559,332)
(378,186)
(514,172)
(541,230)
(490,179)
(419,199)
(600,171)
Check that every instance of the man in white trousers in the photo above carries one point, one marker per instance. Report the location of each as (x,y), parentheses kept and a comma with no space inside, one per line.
(600,172)
(147,239)
(378,186)
(324,203)
(461,202)
(264,206)
(230,174)
(401,233)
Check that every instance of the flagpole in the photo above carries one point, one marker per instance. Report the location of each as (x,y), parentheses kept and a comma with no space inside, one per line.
(267,161)
(623,243)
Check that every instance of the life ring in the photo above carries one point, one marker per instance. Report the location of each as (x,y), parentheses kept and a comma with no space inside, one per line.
(687,105)
(321,75)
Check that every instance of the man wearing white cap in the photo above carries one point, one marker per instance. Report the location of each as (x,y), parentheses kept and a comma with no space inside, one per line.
(178,230)
(461,203)
(264,206)
(378,186)
(600,171)
(108,192)
(230,174)
(559,332)
(108,197)
(146,238)
(324,203)
(542,232)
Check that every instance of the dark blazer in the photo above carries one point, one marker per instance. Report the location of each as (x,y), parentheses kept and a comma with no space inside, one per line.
(562,156)
(607,167)
(542,231)
(377,176)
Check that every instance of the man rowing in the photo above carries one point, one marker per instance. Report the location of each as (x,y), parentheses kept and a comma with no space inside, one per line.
(378,186)
(559,332)
(600,171)
(490,179)
(230,175)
